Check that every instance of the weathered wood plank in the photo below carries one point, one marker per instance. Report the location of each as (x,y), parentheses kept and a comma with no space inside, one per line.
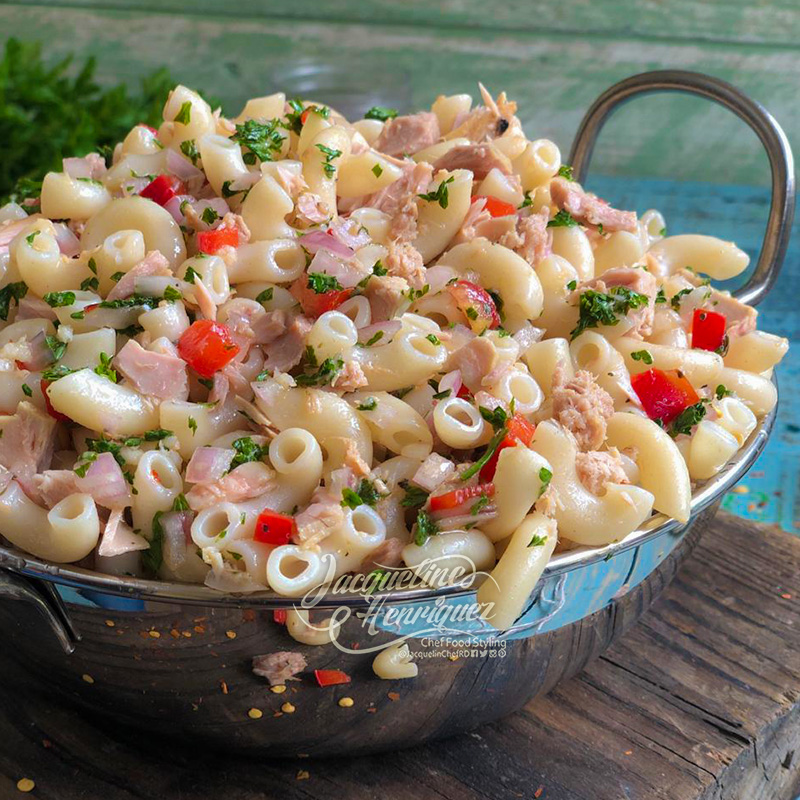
(354,66)
(738,21)
(699,701)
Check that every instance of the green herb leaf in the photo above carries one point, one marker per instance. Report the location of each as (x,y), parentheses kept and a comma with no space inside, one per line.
(596,308)
(661,297)
(376,337)
(180,503)
(328,167)
(496,417)
(322,283)
(545,476)
(153,557)
(90,285)
(263,140)
(326,373)
(433,339)
(184,115)
(642,355)
(86,460)
(565,171)
(687,419)
(370,404)
(265,296)
(31,236)
(414,495)
(26,390)
(367,492)
(189,149)
(426,527)
(377,170)
(378,269)
(479,505)
(563,219)
(191,275)
(722,391)
(350,499)
(247,450)
(675,300)
(440,194)
(104,368)
(209,216)
(494,443)
(537,541)
(192,424)
(57,347)
(172,294)
(11,291)
(59,299)
(381,113)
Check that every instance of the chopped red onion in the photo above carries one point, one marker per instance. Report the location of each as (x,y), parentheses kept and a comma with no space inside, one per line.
(133,185)
(92,166)
(319,240)
(452,381)
(350,233)
(438,276)
(209,464)
(181,167)
(67,241)
(347,273)
(389,328)
(118,538)
(527,335)
(105,482)
(176,526)
(433,471)
(173,205)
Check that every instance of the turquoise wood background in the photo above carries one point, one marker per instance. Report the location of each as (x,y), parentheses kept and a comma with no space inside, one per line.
(696,163)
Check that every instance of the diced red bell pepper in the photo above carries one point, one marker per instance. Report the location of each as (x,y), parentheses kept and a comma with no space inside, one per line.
(207,346)
(456,498)
(331,677)
(664,393)
(314,304)
(495,206)
(464,392)
(163,188)
(476,304)
(279,616)
(50,410)
(708,329)
(519,430)
(274,528)
(211,242)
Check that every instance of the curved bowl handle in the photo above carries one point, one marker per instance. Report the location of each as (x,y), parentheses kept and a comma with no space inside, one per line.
(781,212)
(45,598)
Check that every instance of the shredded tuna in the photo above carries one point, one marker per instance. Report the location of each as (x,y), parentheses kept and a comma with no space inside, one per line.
(310,210)
(597,468)
(588,209)
(353,460)
(405,261)
(433,472)
(246,481)
(152,264)
(480,159)
(53,485)
(319,520)
(291,182)
(408,135)
(385,294)
(155,374)
(231,220)
(547,504)
(387,554)
(27,443)
(475,360)
(536,239)
(582,407)
(118,538)
(350,378)
(287,350)
(204,301)
(278,668)
(399,199)
(740,318)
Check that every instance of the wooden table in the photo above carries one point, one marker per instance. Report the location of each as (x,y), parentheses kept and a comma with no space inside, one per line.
(701,699)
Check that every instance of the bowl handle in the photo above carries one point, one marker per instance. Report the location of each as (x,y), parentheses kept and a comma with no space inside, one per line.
(45,598)
(781,212)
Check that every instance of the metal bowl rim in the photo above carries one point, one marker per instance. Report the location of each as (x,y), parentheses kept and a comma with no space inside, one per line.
(201,595)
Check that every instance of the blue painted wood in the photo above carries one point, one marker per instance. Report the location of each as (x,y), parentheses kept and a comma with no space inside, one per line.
(740,213)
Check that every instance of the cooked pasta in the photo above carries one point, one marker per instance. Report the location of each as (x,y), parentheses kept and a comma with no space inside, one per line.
(301,346)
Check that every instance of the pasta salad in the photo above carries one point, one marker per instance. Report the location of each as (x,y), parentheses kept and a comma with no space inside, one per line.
(271,350)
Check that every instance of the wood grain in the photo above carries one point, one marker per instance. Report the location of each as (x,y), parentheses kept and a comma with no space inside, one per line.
(353,64)
(699,701)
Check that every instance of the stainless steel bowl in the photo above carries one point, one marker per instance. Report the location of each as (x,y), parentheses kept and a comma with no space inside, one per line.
(175,659)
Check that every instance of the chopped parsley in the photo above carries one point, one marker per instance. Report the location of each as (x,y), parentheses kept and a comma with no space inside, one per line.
(414,294)
(172,294)
(374,339)
(439,195)
(192,423)
(54,373)
(365,494)
(472,313)
(381,113)
(209,216)
(433,339)
(597,308)
(31,236)
(184,115)
(153,557)
(265,296)
(479,505)
(378,269)
(207,382)
(426,527)
(563,219)
(661,297)
(662,232)
(92,264)
(328,167)
(545,476)
(180,503)
(128,302)
(85,461)
(675,300)
(572,285)
(191,275)
(118,276)
(310,356)
(442,395)
(56,346)
(537,541)
(189,149)
(491,448)
(565,171)
(327,372)
(104,368)
(642,355)
(687,419)
(414,496)
(26,390)
(722,391)
(528,201)
(600,228)
(59,299)
(322,283)
(377,170)
(262,140)
(90,284)
(350,499)
(370,404)
(11,291)
(247,450)
(498,303)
